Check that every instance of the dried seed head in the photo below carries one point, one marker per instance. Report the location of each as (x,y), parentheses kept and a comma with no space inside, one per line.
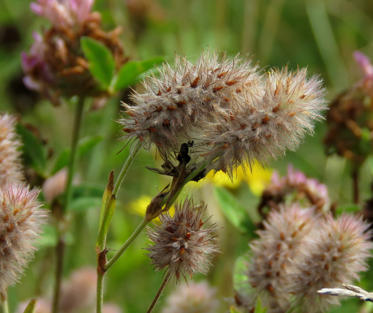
(265,128)
(55,65)
(10,165)
(183,243)
(192,298)
(275,251)
(294,187)
(333,253)
(183,97)
(21,220)
(55,185)
(78,293)
(350,128)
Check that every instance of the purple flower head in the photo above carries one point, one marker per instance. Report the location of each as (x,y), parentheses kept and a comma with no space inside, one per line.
(296,187)
(63,13)
(366,66)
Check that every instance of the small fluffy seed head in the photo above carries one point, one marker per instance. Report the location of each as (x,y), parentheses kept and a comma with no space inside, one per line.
(10,164)
(183,97)
(333,253)
(55,185)
(183,243)
(79,292)
(192,298)
(22,219)
(265,128)
(274,252)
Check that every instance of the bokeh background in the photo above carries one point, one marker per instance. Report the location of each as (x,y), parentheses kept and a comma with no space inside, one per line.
(318,34)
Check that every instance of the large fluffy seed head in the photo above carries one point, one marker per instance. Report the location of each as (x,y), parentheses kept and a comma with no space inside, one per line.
(185,96)
(265,128)
(10,165)
(333,254)
(274,252)
(192,298)
(183,243)
(21,220)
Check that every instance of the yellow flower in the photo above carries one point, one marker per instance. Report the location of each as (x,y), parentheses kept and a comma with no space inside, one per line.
(139,206)
(258,177)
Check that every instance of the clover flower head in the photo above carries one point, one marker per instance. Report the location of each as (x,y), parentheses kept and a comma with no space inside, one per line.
(184,97)
(183,243)
(334,253)
(65,13)
(22,219)
(266,123)
(192,297)
(274,252)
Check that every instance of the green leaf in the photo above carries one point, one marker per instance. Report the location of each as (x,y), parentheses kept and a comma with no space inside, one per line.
(85,145)
(33,150)
(84,204)
(30,306)
(348,208)
(233,211)
(131,72)
(259,308)
(101,61)
(232,309)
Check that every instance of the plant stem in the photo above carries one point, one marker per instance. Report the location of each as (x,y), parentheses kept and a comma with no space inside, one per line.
(161,288)
(60,248)
(355,184)
(73,154)
(128,242)
(5,305)
(123,172)
(100,290)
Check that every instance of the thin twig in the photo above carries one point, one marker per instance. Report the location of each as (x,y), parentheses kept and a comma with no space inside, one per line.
(60,248)
(161,288)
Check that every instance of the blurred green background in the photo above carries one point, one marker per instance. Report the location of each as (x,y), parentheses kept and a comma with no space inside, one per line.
(318,34)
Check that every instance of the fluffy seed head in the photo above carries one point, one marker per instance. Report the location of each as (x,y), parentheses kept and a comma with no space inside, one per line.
(183,97)
(266,127)
(183,243)
(78,293)
(10,166)
(55,185)
(333,253)
(192,298)
(21,218)
(274,252)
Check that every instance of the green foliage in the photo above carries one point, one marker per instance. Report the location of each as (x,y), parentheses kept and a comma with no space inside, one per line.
(234,212)
(30,308)
(33,150)
(85,146)
(130,73)
(101,61)
(259,308)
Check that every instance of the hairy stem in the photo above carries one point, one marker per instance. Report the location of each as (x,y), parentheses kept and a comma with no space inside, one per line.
(60,248)
(161,288)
